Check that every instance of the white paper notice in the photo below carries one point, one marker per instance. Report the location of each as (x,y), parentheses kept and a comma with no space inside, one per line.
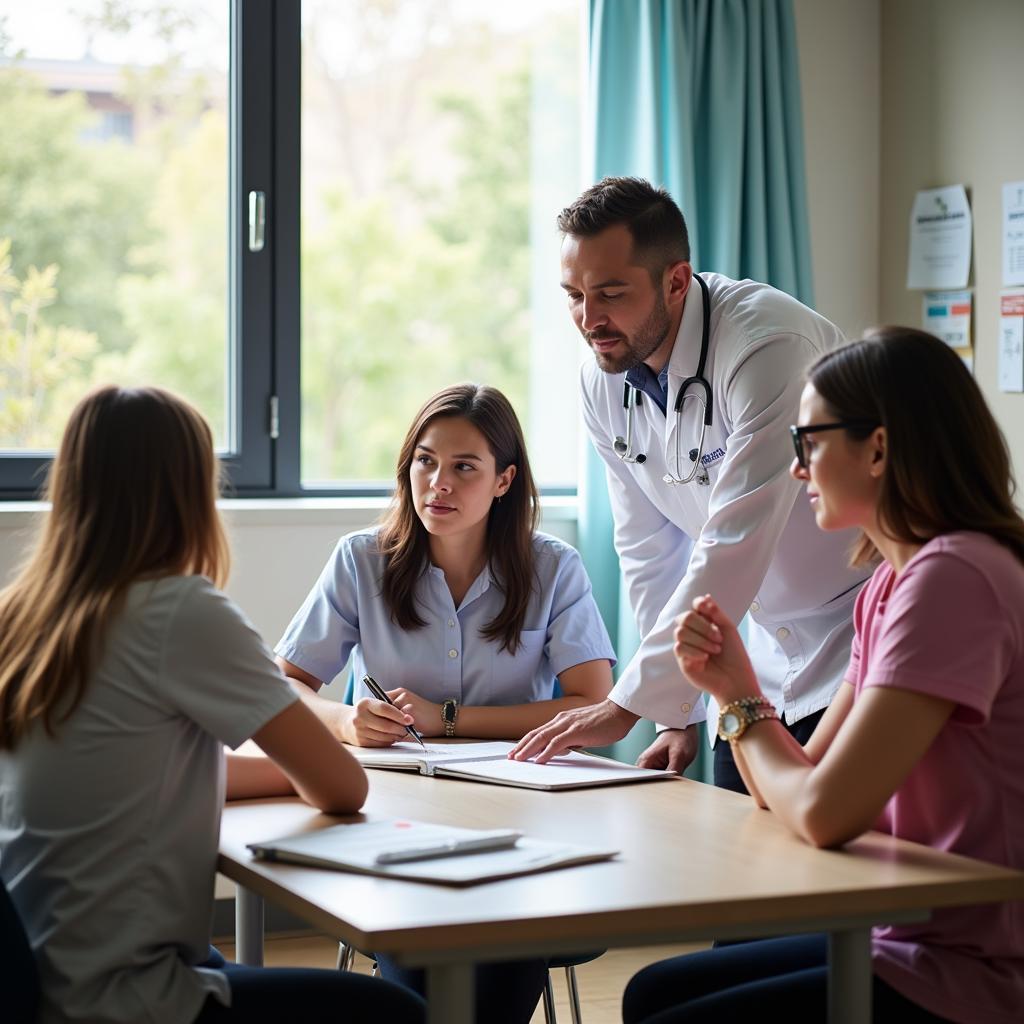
(947,315)
(940,239)
(1011,341)
(1013,233)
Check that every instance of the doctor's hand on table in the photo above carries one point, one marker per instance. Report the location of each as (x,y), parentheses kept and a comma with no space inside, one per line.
(673,749)
(595,725)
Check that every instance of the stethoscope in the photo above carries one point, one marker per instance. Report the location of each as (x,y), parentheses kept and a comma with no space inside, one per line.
(631,399)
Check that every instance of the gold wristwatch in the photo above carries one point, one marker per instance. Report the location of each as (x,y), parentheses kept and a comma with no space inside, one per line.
(449,712)
(737,716)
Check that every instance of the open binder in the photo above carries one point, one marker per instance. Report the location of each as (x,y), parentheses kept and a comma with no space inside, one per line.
(488,762)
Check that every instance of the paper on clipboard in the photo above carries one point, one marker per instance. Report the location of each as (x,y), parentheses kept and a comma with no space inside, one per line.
(358,848)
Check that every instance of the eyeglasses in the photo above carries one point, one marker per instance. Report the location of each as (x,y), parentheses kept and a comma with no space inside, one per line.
(797,434)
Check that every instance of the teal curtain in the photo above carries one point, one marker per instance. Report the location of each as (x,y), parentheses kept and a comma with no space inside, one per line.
(701,97)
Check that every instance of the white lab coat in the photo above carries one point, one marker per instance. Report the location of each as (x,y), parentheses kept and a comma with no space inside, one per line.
(748,538)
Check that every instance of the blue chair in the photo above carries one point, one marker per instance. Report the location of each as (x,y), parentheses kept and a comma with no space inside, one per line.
(19,976)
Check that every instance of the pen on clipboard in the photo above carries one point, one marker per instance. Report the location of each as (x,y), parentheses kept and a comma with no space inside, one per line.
(498,840)
(375,688)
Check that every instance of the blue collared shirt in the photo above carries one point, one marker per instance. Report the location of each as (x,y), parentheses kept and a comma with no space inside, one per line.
(654,385)
(447,658)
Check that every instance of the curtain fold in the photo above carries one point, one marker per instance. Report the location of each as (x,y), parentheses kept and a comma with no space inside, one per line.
(701,97)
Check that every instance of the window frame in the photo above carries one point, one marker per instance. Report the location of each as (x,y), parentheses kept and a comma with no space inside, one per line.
(263,311)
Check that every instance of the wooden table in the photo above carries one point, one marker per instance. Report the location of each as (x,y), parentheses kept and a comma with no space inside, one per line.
(696,863)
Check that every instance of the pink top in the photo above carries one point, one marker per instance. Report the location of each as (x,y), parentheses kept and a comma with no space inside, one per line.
(952,626)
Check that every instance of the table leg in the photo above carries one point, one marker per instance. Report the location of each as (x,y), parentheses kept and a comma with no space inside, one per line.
(450,994)
(248,927)
(849,976)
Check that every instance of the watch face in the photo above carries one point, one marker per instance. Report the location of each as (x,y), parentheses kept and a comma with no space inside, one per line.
(729,724)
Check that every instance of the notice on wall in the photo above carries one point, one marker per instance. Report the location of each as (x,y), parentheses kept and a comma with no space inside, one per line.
(947,315)
(940,239)
(1011,341)
(1013,233)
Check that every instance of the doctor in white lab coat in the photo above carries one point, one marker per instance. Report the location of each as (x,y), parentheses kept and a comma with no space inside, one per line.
(739,528)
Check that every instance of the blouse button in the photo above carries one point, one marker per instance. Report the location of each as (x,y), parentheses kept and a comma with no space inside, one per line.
(451,623)
(453,653)
(782,632)
(684,708)
(754,606)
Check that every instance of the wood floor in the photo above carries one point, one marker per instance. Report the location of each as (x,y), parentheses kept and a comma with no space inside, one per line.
(600,982)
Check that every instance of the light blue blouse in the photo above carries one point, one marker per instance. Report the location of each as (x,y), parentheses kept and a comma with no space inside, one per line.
(448,658)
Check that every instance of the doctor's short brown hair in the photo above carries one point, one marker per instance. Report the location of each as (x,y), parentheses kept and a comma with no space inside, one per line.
(651,215)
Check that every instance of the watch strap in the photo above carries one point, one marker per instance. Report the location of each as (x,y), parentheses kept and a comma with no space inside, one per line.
(449,713)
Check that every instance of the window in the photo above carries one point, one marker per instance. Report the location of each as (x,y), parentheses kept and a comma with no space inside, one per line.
(432,143)
(113,210)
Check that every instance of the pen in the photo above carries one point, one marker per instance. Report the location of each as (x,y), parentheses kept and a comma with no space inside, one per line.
(451,847)
(375,688)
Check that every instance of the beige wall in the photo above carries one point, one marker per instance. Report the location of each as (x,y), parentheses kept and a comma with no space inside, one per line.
(839,75)
(951,114)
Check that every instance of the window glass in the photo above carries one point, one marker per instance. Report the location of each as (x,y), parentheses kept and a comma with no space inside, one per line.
(113,207)
(440,140)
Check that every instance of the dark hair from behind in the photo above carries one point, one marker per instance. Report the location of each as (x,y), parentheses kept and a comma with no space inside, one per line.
(133,493)
(948,466)
(654,220)
(404,541)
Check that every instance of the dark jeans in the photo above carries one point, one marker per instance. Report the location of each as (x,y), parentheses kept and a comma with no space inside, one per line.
(771,979)
(727,775)
(272,995)
(505,993)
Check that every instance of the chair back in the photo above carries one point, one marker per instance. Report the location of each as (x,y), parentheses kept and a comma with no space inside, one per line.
(19,976)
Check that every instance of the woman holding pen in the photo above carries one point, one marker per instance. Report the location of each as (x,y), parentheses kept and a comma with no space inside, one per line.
(923,740)
(461,610)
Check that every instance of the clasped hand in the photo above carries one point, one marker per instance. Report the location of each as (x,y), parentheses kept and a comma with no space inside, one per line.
(376,724)
(711,654)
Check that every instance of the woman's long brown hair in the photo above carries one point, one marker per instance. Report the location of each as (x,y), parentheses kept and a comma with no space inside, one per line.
(947,463)
(133,491)
(404,541)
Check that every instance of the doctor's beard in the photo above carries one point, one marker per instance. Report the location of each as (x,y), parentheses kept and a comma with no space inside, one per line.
(646,340)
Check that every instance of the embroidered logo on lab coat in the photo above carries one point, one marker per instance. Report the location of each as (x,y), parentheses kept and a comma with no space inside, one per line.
(710,458)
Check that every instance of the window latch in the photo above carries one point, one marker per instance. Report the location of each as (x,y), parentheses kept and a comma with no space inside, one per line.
(273,419)
(257,220)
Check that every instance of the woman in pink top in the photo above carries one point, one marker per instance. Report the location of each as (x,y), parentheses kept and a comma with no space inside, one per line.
(924,739)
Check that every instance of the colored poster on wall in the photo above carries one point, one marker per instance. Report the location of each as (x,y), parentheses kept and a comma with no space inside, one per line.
(947,315)
(1011,341)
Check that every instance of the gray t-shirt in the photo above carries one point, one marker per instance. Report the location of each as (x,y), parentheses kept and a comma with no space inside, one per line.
(109,830)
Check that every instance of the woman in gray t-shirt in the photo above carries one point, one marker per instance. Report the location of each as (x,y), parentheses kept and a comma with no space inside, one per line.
(123,672)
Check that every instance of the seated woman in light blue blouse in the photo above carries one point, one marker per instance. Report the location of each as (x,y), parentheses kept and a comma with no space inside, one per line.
(462,611)
(455,604)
